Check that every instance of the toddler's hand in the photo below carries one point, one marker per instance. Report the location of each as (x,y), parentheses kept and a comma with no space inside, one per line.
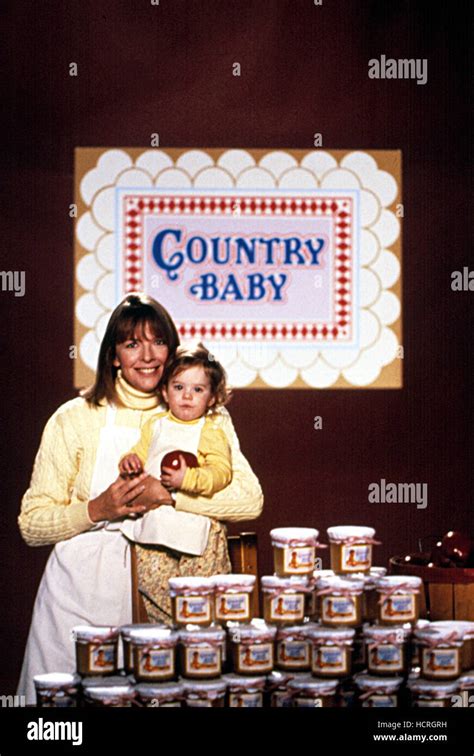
(130,465)
(172,477)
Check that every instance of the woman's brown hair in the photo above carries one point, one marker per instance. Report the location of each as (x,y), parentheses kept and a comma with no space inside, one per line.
(136,309)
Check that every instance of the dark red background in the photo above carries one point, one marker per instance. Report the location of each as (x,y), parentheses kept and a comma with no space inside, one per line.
(168,69)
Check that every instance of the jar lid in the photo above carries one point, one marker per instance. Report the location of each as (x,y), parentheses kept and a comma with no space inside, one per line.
(234,582)
(450,634)
(466,681)
(319,632)
(388,634)
(323,573)
(378,571)
(191,584)
(371,682)
(298,632)
(105,692)
(126,629)
(56,680)
(294,536)
(295,584)
(399,582)
(91,633)
(434,688)
(256,630)
(464,626)
(343,533)
(241,682)
(342,584)
(102,682)
(159,634)
(209,687)
(159,690)
(197,634)
(315,685)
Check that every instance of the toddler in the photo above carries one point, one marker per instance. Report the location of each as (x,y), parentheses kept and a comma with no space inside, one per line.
(193,385)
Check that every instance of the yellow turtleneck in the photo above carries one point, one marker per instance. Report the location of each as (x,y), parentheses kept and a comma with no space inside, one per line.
(134,398)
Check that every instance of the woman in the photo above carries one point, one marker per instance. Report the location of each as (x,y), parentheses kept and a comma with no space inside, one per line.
(77,501)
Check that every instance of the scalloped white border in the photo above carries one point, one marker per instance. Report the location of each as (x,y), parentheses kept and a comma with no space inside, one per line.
(379,267)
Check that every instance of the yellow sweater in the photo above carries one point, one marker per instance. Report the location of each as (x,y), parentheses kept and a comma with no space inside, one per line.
(54,507)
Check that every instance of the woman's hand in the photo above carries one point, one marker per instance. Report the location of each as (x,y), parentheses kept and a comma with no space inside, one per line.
(119,499)
(154,494)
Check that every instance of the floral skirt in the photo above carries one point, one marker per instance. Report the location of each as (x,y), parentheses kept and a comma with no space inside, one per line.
(155,565)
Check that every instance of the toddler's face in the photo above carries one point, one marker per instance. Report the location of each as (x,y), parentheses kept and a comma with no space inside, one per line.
(188,393)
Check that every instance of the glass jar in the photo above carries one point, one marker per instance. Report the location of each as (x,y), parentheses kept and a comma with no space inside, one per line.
(205,693)
(292,648)
(313,693)
(200,652)
(252,648)
(440,651)
(114,696)
(294,550)
(152,695)
(386,650)
(369,596)
(154,653)
(125,631)
(56,689)
(192,600)
(340,601)
(233,595)
(331,649)
(351,548)
(245,692)
(398,599)
(284,599)
(466,690)
(375,692)
(466,629)
(428,694)
(96,649)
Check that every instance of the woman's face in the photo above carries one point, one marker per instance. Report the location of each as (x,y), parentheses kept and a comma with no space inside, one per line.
(142,358)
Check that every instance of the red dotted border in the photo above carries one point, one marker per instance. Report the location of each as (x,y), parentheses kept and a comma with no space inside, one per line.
(340,209)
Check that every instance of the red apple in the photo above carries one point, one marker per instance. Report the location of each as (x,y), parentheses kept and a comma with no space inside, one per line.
(172,459)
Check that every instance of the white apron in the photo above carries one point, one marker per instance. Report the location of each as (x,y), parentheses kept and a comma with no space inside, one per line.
(87,578)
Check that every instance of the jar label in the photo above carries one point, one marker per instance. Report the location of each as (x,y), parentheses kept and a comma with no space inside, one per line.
(281,699)
(423,703)
(377,700)
(258,657)
(329,659)
(206,661)
(298,559)
(441,662)
(287,606)
(398,606)
(338,609)
(232,606)
(293,653)
(102,658)
(314,703)
(385,657)
(355,558)
(245,700)
(156,662)
(195,609)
